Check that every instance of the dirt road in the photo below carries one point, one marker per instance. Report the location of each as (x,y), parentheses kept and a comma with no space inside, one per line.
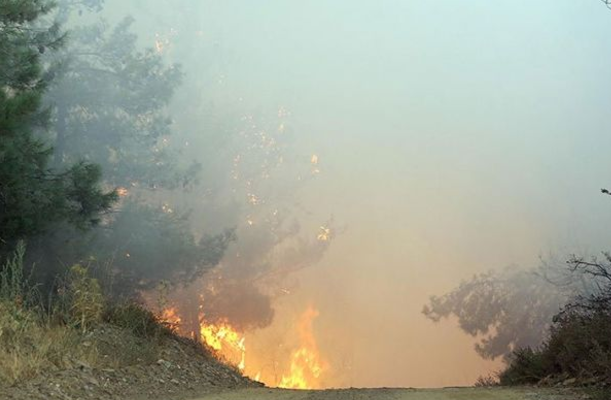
(396,394)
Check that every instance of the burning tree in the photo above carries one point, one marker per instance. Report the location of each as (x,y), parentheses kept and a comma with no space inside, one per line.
(112,103)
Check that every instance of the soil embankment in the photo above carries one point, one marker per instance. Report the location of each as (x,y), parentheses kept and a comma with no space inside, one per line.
(181,370)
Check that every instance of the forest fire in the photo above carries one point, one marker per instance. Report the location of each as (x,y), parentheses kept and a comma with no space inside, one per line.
(223,338)
(303,369)
(170,317)
(307,365)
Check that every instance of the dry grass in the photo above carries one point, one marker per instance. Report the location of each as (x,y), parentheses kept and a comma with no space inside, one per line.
(28,346)
(80,329)
(85,298)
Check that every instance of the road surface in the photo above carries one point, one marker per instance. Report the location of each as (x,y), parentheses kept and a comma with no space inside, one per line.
(397,394)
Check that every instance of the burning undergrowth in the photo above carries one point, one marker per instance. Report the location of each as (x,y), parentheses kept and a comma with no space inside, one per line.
(230,303)
(302,366)
(228,238)
(226,306)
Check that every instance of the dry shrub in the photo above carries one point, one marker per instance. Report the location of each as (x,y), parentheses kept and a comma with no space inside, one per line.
(137,319)
(526,366)
(490,380)
(27,345)
(78,327)
(85,298)
(30,340)
(22,359)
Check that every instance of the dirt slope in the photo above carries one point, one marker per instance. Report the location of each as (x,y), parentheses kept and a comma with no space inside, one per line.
(398,394)
(181,369)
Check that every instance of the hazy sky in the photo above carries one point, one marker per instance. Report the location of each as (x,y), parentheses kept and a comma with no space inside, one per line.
(453,137)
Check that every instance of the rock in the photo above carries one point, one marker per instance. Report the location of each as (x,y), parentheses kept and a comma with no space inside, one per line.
(91,380)
(570,381)
(164,363)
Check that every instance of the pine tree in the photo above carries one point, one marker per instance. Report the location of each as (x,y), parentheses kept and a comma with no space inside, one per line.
(109,104)
(34,197)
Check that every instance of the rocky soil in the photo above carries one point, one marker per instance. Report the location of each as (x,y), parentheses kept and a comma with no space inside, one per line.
(181,369)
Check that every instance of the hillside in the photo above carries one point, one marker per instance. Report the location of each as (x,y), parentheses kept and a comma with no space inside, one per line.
(172,367)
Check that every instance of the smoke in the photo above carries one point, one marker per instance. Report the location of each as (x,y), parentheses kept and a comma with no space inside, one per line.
(252,182)
(448,146)
(509,309)
(210,187)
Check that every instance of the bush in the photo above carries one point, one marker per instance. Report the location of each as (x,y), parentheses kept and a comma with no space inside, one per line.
(36,338)
(137,319)
(580,343)
(526,366)
(76,326)
(85,298)
(487,381)
(578,348)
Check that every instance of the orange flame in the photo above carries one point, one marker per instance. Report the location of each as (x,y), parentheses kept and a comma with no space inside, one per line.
(307,365)
(170,316)
(226,341)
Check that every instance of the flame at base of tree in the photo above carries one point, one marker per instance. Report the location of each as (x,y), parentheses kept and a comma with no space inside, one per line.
(305,366)
(225,340)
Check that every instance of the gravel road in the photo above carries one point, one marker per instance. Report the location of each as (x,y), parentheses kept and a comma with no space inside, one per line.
(398,394)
